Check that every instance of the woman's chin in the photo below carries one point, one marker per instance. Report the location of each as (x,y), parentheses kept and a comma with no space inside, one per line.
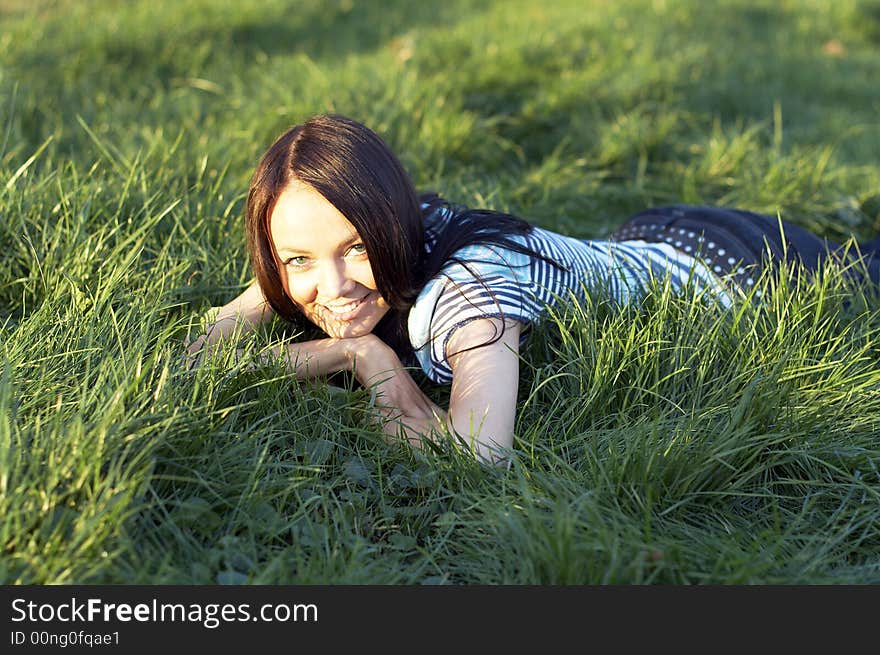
(338,330)
(349,332)
(357,326)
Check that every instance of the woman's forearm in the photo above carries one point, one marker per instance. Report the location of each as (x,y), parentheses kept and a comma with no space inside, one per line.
(418,429)
(249,309)
(317,358)
(406,412)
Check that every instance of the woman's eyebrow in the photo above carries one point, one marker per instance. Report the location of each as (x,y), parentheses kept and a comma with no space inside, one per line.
(290,249)
(355,238)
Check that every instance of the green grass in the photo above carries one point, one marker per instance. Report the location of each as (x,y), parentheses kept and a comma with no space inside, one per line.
(667,443)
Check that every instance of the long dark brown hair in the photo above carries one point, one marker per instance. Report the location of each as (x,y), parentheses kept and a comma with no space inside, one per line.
(359,175)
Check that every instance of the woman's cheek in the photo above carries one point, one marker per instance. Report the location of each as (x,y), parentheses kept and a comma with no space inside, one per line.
(300,290)
(364,275)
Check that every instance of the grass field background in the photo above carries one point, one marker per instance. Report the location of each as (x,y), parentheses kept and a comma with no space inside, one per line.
(666,444)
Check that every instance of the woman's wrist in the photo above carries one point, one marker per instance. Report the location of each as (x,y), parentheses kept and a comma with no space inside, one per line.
(357,348)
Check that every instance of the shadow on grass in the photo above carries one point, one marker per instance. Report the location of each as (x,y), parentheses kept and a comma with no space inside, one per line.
(91,72)
(322,31)
(742,62)
(821,85)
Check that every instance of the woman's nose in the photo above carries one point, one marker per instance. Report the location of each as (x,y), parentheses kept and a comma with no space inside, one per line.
(334,281)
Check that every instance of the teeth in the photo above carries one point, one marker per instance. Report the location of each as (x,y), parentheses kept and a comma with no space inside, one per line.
(344,308)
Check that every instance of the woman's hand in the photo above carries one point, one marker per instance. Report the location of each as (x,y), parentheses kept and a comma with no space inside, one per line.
(196,352)
(405,410)
(243,313)
(202,347)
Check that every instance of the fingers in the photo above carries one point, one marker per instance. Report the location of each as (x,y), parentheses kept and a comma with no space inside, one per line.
(196,345)
(192,359)
(401,393)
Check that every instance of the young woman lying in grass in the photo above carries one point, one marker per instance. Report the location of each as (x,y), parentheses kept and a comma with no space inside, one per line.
(338,237)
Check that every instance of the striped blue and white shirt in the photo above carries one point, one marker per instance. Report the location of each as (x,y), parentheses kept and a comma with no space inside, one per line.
(497,282)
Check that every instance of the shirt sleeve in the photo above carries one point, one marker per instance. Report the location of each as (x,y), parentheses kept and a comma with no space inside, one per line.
(489,285)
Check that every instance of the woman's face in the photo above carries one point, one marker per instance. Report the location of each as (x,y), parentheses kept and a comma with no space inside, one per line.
(323,263)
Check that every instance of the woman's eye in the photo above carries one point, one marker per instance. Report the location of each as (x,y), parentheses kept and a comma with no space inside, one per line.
(297,262)
(358,249)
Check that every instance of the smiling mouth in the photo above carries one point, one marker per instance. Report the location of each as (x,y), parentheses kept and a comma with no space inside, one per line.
(347,311)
